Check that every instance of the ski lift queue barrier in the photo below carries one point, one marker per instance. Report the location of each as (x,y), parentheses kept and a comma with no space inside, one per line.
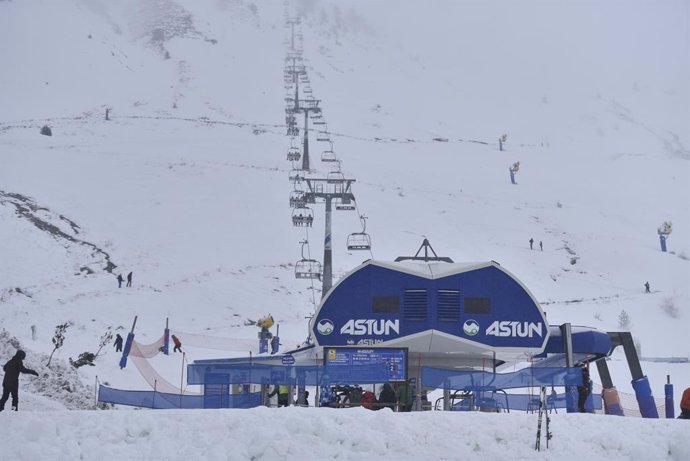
(166,401)
(313,375)
(477,380)
(290,375)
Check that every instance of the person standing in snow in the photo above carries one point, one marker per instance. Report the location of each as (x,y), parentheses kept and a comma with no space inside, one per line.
(10,383)
(646,287)
(129,279)
(583,391)
(405,396)
(118,343)
(387,397)
(685,405)
(178,344)
(283,396)
(119,280)
(541,246)
(531,242)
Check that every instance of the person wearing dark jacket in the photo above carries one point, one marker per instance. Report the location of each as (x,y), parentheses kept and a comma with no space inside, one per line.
(10,383)
(387,398)
(685,405)
(584,390)
(129,279)
(118,343)
(119,280)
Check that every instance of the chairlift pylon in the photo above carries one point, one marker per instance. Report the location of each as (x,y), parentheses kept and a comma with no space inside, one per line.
(359,240)
(307,268)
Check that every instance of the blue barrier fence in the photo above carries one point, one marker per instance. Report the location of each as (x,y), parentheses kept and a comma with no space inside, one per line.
(521,402)
(483,380)
(161,400)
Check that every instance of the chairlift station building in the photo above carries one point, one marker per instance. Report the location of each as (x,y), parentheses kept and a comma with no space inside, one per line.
(455,314)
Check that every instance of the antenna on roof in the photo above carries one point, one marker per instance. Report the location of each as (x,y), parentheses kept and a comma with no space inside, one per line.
(427,248)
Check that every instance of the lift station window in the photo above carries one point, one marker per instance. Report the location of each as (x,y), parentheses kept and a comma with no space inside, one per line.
(477,305)
(385,304)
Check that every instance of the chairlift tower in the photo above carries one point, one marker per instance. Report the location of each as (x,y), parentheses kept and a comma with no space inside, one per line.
(328,190)
(295,71)
(292,22)
(306,106)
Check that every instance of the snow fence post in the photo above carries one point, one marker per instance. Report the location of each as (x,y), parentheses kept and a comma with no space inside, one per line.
(128,345)
(668,394)
(645,399)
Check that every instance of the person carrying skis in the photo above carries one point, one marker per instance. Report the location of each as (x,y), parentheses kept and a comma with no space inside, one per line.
(10,383)
(118,343)
(178,344)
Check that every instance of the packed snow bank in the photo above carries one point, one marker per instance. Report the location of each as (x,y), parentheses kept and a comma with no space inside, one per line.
(311,433)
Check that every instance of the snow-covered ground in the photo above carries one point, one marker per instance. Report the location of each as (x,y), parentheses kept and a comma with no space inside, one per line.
(186,185)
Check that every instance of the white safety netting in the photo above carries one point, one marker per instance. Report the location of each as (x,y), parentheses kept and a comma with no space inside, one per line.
(139,354)
(216,342)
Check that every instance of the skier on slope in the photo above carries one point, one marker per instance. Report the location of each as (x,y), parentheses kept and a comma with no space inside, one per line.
(178,344)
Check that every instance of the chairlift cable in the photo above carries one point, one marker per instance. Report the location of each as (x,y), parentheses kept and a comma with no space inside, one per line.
(311,279)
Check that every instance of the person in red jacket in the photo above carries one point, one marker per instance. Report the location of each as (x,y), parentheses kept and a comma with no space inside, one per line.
(178,344)
(685,405)
(10,383)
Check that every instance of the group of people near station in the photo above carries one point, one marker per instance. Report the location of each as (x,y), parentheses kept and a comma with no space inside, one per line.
(399,398)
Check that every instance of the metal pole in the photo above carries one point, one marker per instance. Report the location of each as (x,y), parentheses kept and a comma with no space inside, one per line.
(95,393)
(305,154)
(182,378)
(134,323)
(327,252)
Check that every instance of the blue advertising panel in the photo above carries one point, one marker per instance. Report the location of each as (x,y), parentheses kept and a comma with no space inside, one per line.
(382,364)
(376,303)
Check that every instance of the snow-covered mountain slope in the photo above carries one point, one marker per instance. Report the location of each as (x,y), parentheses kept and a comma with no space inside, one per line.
(187,184)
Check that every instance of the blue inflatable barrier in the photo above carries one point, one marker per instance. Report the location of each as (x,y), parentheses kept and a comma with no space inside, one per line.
(645,399)
(125,351)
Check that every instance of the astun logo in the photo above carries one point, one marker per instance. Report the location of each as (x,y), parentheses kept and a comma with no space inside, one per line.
(361,327)
(506,328)
(471,327)
(325,327)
